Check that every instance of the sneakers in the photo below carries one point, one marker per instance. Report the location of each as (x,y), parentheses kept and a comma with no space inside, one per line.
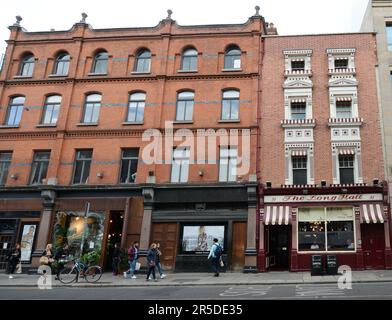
(133,277)
(155,280)
(163,276)
(10,277)
(125,275)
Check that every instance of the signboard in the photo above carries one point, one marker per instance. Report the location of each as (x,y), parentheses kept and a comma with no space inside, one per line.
(324,198)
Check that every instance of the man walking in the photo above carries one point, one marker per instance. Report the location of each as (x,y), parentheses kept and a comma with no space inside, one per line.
(215,255)
(133,256)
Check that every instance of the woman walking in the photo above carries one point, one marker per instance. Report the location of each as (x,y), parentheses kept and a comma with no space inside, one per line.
(159,266)
(151,261)
(13,260)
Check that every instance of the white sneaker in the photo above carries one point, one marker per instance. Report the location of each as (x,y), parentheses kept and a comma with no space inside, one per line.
(150,278)
(163,276)
(10,277)
(133,277)
(125,275)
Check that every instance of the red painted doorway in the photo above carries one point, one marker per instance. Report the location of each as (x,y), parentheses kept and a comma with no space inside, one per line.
(373,245)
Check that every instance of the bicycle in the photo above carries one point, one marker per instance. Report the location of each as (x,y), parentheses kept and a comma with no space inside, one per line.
(72,273)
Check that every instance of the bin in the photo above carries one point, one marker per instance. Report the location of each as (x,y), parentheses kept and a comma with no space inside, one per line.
(317,265)
(332,265)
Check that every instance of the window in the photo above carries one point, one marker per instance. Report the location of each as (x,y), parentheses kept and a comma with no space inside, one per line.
(185,101)
(100,64)
(389,35)
(180,165)
(233,58)
(82,166)
(300,172)
(298,65)
(199,238)
(5,162)
(15,110)
(298,110)
(39,167)
(231,105)
(129,159)
(346,168)
(62,64)
(143,61)
(343,109)
(27,66)
(51,110)
(228,165)
(189,60)
(91,108)
(137,102)
(341,63)
(326,229)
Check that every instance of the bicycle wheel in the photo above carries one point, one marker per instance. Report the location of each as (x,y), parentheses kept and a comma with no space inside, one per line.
(68,274)
(93,273)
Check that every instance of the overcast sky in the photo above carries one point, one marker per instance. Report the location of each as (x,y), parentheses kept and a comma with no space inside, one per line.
(289,16)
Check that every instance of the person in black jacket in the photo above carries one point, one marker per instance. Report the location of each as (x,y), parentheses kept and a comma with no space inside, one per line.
(151,261)
(116,259)
(60,257)
(13,260)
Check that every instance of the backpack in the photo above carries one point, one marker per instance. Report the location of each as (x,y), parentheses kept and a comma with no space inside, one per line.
(218,251)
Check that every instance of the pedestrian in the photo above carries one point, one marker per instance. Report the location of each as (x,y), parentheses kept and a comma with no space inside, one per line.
(13,259)
(133,256)
(47,256)
(116,259)
(151,261)
(159,266)
(215,255)
(61,258)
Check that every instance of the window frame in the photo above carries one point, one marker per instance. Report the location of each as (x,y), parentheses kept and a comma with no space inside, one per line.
(77,151)
(230,100)
(337,61)
(53,105)
(64,62)
(346,168)
(144,60)
(388,33)
(29,61)
(298,105)
(40,163)
(293,169)
(98,59)
(229,164)
(140,104)
(95,105)
(183,165)
(19,107)
(129,159)
(188,60)
(5,163)
(189,103)
(344,109)
(231,56)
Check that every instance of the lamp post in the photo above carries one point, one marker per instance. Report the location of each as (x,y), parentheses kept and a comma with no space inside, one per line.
(84,228)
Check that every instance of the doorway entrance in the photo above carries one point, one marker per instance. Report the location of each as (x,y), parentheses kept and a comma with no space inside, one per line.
(278,247)
(114,235)
(8,229)
(373,245)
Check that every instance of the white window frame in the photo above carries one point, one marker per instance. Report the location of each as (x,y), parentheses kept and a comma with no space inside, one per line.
(289,162)
(180,165)
(357,162)
(228,161)
(298,94)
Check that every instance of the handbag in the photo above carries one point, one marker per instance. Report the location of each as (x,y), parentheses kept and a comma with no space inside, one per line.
(137,266)
(221,263)
(19,268)
(44,260)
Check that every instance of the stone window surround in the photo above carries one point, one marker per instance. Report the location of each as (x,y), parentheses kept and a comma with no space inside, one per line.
(341,53)
(357,160)
(304,54)
(309,148)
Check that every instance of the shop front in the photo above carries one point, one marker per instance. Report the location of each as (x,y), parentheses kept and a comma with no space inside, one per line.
(351,223)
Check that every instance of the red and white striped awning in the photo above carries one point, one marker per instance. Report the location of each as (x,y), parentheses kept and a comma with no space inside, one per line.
(344,99)
(277,215)
(298,100)
(372,213)
(298,59)
(298,153)
(346,151)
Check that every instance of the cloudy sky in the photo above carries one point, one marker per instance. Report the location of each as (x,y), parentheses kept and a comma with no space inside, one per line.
(290,17)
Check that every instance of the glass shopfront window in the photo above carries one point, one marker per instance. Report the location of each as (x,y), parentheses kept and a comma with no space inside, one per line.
(326,229)
(73,227)
(199,238)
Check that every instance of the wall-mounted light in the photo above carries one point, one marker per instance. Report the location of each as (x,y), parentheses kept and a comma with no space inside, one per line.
(376,181)
(14,176)
(201,173)
(100,175)
(268,184)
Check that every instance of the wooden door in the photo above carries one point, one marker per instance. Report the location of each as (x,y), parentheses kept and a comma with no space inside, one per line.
(373,245)
(167,235)
(8,229)
(238,246)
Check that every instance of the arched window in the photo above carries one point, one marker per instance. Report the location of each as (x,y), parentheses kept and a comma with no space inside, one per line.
(62,64)
(27,66)
(143,61)
(185,101)
(51,110)
(15,109)
(233,58)
(137,102)
(100,62)
(230,105)
(189,60)
(91,108)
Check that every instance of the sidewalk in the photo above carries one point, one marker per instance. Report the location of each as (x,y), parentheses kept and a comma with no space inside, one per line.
(204,279)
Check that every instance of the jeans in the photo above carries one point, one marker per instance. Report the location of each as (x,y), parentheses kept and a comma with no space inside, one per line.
(132,266)
(215,265)
(159,267)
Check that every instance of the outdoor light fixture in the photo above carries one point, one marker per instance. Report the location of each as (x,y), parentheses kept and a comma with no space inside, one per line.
(268,184)
(14,176)
(201,173)
(100,175)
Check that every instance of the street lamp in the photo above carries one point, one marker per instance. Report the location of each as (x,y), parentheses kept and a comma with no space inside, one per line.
(84,228)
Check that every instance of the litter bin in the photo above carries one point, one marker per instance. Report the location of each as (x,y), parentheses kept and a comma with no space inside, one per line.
(332,265)
(317,265)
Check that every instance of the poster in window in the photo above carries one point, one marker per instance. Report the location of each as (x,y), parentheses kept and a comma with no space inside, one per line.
(200,238)
(27,241)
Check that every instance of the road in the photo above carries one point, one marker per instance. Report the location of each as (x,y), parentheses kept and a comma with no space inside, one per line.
(258,292)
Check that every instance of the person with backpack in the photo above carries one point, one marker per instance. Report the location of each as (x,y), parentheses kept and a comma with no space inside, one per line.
(215,255)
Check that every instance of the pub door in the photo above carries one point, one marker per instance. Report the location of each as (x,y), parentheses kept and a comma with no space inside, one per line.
(373,245)
(278,238)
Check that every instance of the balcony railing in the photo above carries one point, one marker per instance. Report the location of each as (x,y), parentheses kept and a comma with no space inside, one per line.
(298,123)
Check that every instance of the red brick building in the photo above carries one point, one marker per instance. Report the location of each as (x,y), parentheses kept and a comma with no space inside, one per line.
(74,108)
(321,155)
